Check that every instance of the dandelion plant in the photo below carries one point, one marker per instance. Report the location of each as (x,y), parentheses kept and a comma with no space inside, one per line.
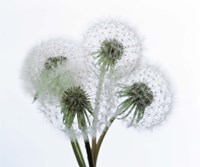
(82,88)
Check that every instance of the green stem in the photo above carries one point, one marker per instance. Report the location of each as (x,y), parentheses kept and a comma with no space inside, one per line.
(78,153)
(101,138)
(89,153)
(97,145)
(94,150)
(98,94)
(96,109)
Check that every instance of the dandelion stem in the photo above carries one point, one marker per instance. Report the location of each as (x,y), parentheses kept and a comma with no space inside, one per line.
(98,95)
(89,153)
(98,145)
(78,153)
(96,109)
(94,150)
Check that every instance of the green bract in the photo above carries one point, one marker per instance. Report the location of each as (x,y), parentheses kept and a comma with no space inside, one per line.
(138,97)
(110,51)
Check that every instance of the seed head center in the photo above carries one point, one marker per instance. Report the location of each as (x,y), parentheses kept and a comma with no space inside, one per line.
(141,94)
(110,52)
(53,62)
(75,99)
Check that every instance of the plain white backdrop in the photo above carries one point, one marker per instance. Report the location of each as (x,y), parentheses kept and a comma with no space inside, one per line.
(170,30)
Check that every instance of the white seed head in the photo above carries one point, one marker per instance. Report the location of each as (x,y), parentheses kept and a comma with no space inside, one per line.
(156,107)
(51,67)
(112,43)
(71,114)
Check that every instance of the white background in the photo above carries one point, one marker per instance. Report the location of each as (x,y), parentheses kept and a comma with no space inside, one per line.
(170,31)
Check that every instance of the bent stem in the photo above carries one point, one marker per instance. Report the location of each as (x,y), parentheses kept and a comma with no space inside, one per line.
(78,153)
(101,138)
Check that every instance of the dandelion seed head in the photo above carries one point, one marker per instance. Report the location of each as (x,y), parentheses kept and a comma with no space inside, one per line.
(52,66)
(72,114)
(157,100)
(122,41)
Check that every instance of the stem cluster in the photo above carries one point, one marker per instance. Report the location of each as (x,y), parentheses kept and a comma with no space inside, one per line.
(92,152)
